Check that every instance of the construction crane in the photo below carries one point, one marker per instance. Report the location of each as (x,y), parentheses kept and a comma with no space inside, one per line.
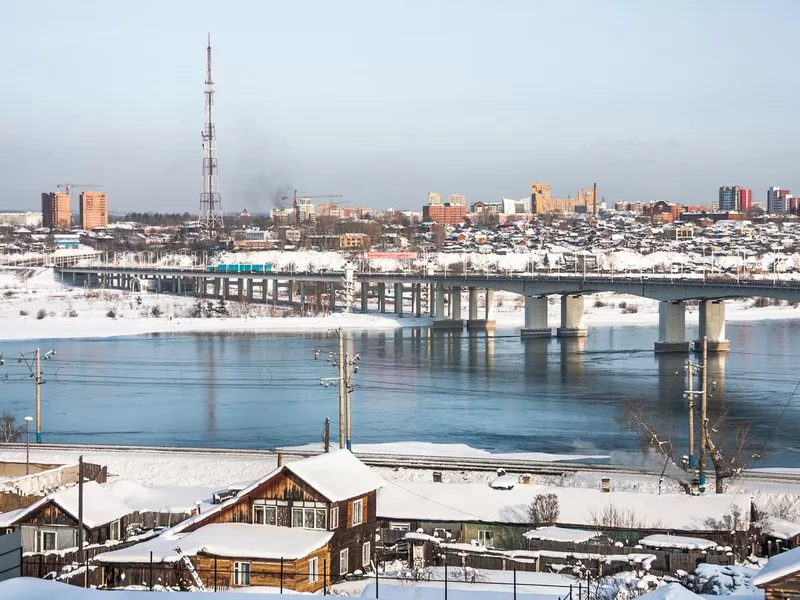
(68,186)
(296,206)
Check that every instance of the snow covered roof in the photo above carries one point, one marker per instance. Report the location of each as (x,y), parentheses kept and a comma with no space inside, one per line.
(100,507)
(781,529)
(161,498)
(779,566)
(232,540)
(7,519)
(677,541)
(337,475)
(477,502)
(504,482)
(560,534)
(671,591)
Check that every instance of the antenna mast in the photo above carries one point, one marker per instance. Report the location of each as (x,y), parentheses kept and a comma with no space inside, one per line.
(210,216)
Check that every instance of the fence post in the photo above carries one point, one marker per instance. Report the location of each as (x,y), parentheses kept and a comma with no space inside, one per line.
(445,575)
(325,577)
(515,581)
(377,580)
(281,574)
(570,592)
(215,573)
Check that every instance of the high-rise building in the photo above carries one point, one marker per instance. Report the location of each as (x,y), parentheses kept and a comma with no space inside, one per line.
(94,210)
(434,198)
(457,199)
(56,210)
(746,200)
(777,200)
(445,214)
(727,197)
(735,198)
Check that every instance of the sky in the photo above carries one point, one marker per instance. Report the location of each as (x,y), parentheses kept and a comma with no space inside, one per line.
(383,101)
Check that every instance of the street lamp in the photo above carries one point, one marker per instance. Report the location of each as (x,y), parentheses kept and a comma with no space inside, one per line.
(28,445)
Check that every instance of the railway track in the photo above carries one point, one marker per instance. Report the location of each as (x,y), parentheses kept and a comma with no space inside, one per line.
(398,461)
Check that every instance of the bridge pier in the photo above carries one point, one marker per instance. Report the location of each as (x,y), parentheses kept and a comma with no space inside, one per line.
(303,296)
(275,292)
(536,318)
(455,303)
(488,322)
(382,297)
(672,327)
(290,292)
(333,297)
(712,326)
(572,319)
(398,299)
(441,320)
(364,296)
(250,291)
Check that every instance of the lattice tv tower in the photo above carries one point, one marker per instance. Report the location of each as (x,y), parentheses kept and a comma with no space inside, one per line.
(210,216)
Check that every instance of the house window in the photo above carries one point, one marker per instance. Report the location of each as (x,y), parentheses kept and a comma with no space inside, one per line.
(46,541)
(113,531)
(241,573)
(344,561)
(486,538)
(308,517)
(366,557)
(358,510)
(313,570)
(265,515)
(399,526)
(334,520)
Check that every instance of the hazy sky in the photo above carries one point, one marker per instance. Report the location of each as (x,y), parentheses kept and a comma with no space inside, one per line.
(382,101)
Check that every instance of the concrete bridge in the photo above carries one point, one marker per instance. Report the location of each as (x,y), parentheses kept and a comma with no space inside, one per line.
(440,296)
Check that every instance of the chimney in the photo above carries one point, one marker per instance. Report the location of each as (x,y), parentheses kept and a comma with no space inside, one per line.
(605,484)
(437,477)
(526,478)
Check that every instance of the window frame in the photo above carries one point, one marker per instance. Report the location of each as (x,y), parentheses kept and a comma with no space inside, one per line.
(115,525)
(310,511)
(344,561)
(366,554)
(482,533)
(40,537)
(313,571)
(360,512)
(240,574)
(333,518)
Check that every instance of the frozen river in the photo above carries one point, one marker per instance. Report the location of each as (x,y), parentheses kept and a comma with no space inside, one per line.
(500,393)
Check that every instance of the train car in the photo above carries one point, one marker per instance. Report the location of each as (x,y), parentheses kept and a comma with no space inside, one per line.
(245,268)
(258,269)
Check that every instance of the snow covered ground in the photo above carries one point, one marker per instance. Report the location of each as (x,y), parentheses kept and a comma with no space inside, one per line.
(39,307)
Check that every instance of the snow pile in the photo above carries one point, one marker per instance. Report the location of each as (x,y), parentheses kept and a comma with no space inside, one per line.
(721,580)
(560,534)
(671,591)
(676,541)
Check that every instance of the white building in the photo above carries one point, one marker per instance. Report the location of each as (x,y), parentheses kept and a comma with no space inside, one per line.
(434,198)
(21,219)
(306,208)
(517,207)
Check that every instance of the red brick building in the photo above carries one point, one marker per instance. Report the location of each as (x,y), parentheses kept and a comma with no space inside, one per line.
(444,214)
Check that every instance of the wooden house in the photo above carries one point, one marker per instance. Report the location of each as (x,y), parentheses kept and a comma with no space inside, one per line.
(52,523)
(780,577)
(313,520)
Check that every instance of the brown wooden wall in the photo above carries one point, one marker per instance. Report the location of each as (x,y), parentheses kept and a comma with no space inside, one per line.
(50,514)
(785,588)
(353,538)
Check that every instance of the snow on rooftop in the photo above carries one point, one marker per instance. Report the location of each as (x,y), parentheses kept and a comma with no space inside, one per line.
(100,507)
(337,475)
(232,540)
(781,529)
(779,566)
(671,591)
(428,501)
(677,541)
(162,498)
(560,534)
(504,482)
(8,518)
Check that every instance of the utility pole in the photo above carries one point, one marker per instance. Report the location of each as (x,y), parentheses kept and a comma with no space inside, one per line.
(326,435)
(703,416)
(341,359)
(80,515)
(38,397)
(690,368)
(347,402)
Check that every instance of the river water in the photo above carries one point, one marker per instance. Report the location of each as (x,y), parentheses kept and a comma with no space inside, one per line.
(498,393)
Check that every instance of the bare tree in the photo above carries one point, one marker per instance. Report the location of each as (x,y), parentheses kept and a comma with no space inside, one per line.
(9,431)
(730,449)
(544,510)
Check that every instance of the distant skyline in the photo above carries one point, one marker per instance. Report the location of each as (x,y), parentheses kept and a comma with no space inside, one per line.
(384,101)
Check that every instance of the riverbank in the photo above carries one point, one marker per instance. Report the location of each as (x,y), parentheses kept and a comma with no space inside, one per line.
(38,307)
